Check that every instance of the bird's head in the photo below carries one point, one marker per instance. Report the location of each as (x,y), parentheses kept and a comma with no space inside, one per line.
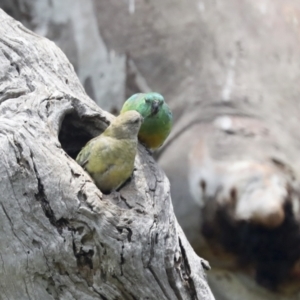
(126,125)
(154,101)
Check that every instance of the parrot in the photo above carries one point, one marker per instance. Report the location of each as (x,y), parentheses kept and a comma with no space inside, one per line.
(109,157)
(157,118)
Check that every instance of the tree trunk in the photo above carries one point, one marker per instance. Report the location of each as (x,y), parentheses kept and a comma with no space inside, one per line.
(61,238)
(101,71)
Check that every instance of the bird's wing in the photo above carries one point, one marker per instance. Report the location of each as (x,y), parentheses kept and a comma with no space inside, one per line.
(84,155)
(99,150)
(127,106)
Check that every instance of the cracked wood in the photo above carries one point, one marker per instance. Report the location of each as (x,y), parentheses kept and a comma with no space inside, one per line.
(63,238)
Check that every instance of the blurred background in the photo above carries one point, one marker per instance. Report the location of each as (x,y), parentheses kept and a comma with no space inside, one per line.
(230,71)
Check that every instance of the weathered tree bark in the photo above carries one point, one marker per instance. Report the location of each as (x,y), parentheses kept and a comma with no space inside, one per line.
(72,25)
(61,238)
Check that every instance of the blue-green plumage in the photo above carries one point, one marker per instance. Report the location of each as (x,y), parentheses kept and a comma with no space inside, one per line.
(157,117)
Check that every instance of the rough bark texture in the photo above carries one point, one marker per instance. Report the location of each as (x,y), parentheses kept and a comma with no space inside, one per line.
(72,25)
(230,72)
(61,238)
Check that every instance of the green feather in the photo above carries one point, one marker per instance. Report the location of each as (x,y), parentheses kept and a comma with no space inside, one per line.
(157,117)
(109,157)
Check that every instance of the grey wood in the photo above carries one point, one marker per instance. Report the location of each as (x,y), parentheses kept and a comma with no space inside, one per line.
(61,238)
(72,25)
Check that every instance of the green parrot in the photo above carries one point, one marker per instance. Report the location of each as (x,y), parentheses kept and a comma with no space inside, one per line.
(157,118)
(109,157)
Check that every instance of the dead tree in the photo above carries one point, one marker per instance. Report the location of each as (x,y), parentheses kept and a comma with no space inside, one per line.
(100,70)
(61,238)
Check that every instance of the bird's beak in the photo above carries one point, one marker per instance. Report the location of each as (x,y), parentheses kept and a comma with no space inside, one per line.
(154,108)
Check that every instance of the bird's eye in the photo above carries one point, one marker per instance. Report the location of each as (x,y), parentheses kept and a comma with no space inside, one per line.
(147,100)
